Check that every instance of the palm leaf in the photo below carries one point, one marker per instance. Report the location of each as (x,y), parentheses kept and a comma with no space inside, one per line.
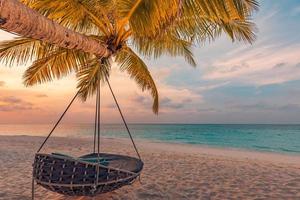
(138,70)
(195,18)
(145,17)
(90,76)
(85,16)
(21,51)
(54,66)
(168,43)
(239,30)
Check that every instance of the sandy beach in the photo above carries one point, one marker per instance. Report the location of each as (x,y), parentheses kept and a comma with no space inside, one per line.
(172,171)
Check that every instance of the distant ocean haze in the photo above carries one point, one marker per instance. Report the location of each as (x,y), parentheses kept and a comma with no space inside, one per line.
(271,138)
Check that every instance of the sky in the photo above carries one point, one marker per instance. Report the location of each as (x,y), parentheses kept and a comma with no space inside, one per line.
(232,83)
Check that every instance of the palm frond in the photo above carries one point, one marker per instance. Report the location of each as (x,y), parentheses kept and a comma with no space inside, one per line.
(145,17)
(195,18)
(90,76)
(21,51)
(240,30)
(138,70)
(229,16)
(85,16)
(169,43)
(54,66)
(127,9)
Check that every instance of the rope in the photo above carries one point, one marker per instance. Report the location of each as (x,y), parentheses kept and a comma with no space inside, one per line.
(98,98)
(96,117)
(57,122)
(32,188)
(63,114)
(136,150)
(98,149)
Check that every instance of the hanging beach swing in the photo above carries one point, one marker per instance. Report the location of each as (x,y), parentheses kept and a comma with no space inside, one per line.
(90,174)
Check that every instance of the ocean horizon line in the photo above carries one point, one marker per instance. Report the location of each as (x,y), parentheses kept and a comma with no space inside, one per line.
(150,123)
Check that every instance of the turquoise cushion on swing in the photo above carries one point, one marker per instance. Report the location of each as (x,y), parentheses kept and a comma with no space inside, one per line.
(102,161)
(62,155)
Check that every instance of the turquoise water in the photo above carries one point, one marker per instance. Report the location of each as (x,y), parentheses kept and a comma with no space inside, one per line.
(272,138)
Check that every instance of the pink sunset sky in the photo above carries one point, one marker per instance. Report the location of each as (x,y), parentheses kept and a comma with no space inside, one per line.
(233,83)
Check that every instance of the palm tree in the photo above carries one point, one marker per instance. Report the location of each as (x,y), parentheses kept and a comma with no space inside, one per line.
(87,36)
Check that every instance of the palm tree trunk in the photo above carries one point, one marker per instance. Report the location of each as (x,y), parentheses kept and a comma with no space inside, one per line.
(17,18)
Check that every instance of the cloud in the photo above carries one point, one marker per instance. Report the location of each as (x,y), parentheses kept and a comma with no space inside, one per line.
(112,105)
(258,66)
(2,83)
(211,86)
(41,95)
(207,110)
(296,10)
(166,103)
(263,107)
(279,65)
(140,99)
(169,103)
(11,103)
(11,99)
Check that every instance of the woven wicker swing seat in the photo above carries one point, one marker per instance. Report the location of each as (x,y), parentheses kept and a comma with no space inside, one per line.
(90,174)
(78,176)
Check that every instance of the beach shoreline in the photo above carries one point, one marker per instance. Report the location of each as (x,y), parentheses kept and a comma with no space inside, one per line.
(172,171)
(283,139)
(272,156)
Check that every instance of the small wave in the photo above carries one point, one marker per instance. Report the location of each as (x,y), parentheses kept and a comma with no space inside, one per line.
(261,147)
(289,150)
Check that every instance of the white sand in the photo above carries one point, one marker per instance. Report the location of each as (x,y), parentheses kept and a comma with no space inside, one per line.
(171,171)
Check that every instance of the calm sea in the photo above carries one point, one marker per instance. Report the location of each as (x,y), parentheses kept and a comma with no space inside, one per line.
(272,138)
